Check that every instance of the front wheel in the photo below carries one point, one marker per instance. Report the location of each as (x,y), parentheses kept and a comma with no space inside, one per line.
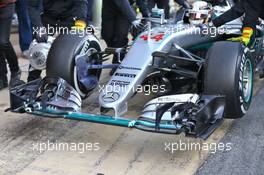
(229,72)
(61,60)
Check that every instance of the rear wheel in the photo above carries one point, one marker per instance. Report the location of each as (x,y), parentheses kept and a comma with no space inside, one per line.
(62,55)
(229,72)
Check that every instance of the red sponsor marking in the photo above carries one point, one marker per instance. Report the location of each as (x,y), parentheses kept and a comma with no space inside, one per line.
(157,38)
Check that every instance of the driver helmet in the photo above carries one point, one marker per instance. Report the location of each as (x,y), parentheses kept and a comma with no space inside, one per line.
(200,13)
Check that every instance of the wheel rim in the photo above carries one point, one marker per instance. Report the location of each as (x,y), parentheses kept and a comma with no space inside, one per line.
(247,83)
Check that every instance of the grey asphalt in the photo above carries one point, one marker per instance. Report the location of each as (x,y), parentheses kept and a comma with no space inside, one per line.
(247,138)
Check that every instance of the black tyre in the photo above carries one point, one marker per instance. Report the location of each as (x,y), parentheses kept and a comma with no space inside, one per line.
(229,72)
(61,58)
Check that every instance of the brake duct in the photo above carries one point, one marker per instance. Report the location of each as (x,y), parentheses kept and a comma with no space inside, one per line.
(195,115)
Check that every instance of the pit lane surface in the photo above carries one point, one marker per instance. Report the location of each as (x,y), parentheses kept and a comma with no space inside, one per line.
(246,136)
(121,150)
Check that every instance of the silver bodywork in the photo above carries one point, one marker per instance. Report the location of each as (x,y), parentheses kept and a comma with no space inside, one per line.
(137,63)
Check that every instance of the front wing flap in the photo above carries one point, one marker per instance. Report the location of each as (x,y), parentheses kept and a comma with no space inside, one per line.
(54,97)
